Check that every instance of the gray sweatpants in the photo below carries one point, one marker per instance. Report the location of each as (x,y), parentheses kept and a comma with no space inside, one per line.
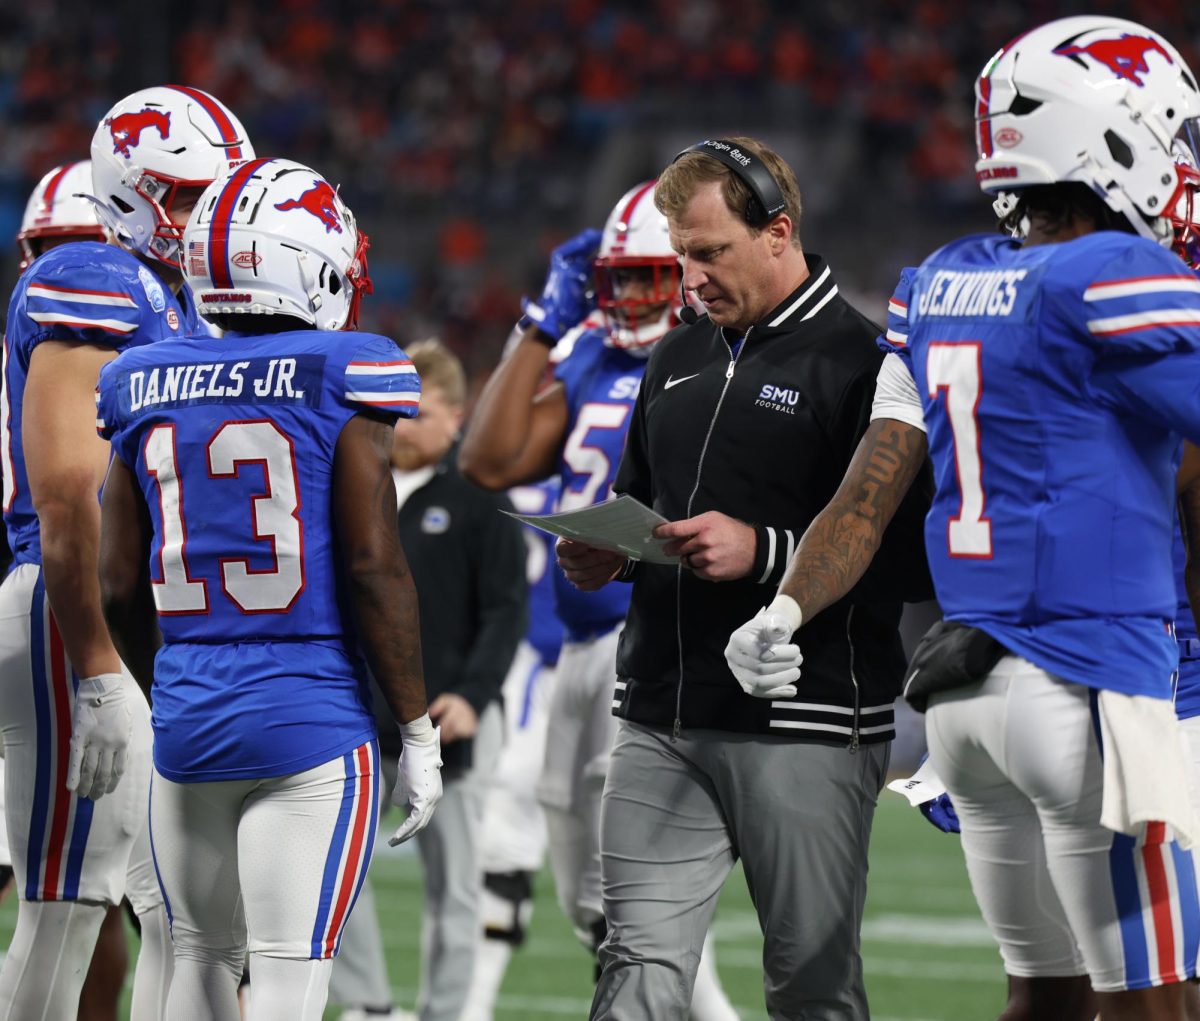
(677,814)
(451,854)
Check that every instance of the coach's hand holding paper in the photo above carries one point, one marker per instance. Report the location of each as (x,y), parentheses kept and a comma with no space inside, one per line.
(623,525)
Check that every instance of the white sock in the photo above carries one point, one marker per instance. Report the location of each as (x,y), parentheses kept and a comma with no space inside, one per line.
(709,1002)
(286,989)
(48,959)
(155,964)
(491,962)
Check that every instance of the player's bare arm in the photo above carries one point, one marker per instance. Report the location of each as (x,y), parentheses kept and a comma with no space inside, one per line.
(383,598)
(125,593)
(67,462)
(839,545)
(515,433)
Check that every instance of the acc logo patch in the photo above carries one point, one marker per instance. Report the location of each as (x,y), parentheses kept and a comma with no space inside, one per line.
(153,289)
(247,260)
(172,319)
(1006,138)
(436,521)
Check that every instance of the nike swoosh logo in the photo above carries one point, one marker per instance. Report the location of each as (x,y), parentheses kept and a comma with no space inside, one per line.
(675,382)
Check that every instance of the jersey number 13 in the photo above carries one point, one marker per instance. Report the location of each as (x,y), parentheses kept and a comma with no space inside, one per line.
(274,513)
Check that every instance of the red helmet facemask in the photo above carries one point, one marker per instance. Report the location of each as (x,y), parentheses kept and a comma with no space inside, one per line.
(360,281)
(1184,215)
(637,321)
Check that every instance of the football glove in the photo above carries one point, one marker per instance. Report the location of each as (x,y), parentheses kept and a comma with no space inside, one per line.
(101,727)
(926,792)
(566,299)
(757,657)
(418,778)
(940,812)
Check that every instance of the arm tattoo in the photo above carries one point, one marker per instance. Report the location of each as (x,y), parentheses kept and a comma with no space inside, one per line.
(838,546)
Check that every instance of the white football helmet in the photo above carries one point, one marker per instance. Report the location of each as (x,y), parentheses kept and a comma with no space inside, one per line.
(152,155)
(1090,99)
(274,237)
(59,208)
(637,271)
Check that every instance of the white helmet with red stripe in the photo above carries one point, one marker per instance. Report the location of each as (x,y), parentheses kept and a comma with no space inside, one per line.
(59,209)
(275,238)
(1090,99)
(152,155)
(637,271)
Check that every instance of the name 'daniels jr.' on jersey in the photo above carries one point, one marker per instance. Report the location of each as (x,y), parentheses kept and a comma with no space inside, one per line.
(275,380)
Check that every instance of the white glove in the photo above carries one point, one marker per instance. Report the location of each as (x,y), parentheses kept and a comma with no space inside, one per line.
(763,666)
(419,777)
(101,727)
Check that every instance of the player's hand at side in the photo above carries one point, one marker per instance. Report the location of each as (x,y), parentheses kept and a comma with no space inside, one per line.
(759,656)
(940,811)
(455,717)
(419,777)
(566,299)
(712,545)
(101,726)
(587,567)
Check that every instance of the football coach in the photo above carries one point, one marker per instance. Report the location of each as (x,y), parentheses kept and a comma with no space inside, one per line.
(746,421)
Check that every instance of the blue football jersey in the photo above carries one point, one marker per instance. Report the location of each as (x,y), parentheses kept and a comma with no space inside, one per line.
(601,385)
(1055,381)
(232,442)
(545,632)
(88,293)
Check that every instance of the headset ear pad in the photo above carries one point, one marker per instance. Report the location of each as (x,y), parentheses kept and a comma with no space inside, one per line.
(755,215)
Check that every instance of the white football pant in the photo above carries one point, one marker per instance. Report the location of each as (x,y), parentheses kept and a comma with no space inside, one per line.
(1062,895)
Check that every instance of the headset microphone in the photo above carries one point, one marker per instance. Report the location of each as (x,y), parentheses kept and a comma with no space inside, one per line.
(687,314)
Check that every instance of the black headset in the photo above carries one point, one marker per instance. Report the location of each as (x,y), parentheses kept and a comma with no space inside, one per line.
(766,200)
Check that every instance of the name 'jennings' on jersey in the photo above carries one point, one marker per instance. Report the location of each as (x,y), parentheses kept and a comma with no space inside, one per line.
(1055,381)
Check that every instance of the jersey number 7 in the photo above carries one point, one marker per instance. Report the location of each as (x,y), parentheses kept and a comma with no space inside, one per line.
(274,513)
(954,368)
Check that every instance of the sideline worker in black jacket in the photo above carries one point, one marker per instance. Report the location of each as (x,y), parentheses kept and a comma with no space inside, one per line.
(468,563)
(746,421)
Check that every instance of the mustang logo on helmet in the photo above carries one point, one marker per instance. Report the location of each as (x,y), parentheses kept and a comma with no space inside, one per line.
(126,128)
(318,200)
(1125,57)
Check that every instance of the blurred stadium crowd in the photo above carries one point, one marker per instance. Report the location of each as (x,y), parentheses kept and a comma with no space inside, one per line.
(472,135)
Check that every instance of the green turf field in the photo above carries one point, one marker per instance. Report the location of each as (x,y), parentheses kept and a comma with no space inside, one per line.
(928,956)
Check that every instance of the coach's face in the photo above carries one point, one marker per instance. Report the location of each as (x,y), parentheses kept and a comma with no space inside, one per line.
(730,269)
(422,441)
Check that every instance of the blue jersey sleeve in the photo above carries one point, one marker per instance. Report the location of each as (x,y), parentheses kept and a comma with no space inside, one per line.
(74,297)
(106,411)
(1143,309)
(1143,301)
(381,377)
(895,338)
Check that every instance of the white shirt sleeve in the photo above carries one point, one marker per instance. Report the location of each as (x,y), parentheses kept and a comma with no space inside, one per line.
(896,394)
